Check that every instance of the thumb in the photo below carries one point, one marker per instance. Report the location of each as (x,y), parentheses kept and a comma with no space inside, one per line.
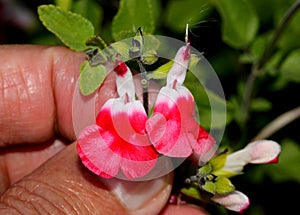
(63,186)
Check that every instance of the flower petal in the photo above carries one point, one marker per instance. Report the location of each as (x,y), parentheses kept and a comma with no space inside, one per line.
(172,129)
(205,142)
(263,151)
(258,152)
(124,81)
(95,155)
(177,73)
(235,201)
(128,120)
(165,128)
(117,142)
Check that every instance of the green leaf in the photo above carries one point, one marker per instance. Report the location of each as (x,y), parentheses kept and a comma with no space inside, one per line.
(72,29)
(239,22)
(131,15)
(224,185)
(210,118)
(64,4)
(161,72)
(191,12)
(257,47)
(259,6)
(260,105)
(91,77)
(289,40)
(91,10)
(290,68)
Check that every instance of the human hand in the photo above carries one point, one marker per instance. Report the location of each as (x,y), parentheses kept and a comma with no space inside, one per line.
(36,90)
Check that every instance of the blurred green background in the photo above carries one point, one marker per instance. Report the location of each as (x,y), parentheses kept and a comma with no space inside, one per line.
(254,47)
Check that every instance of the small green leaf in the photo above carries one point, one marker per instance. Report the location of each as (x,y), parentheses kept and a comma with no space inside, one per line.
(191,192)
(290,68)
(91,77)
(260,105)
(239,22)
(72,29)
(223,185)
(131,15)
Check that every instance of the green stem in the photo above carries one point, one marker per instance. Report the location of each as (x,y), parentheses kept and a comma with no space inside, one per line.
(257,68)
(144,82)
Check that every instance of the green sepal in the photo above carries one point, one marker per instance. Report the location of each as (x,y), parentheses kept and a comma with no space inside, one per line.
(226,173)
(205,170)
(209,186)
(191,192)
(218,161)
(223,185)
(91,77)
(149,57)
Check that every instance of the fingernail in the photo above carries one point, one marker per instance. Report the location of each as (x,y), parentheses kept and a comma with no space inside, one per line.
(142,197)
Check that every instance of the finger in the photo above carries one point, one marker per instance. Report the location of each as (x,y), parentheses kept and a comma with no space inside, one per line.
(34,82)
(15,163)
(63,186)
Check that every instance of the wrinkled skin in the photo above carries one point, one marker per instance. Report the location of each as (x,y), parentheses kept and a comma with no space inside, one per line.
(40,171)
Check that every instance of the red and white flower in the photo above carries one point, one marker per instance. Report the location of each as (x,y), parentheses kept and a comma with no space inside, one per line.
(118,140)
(173,129)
